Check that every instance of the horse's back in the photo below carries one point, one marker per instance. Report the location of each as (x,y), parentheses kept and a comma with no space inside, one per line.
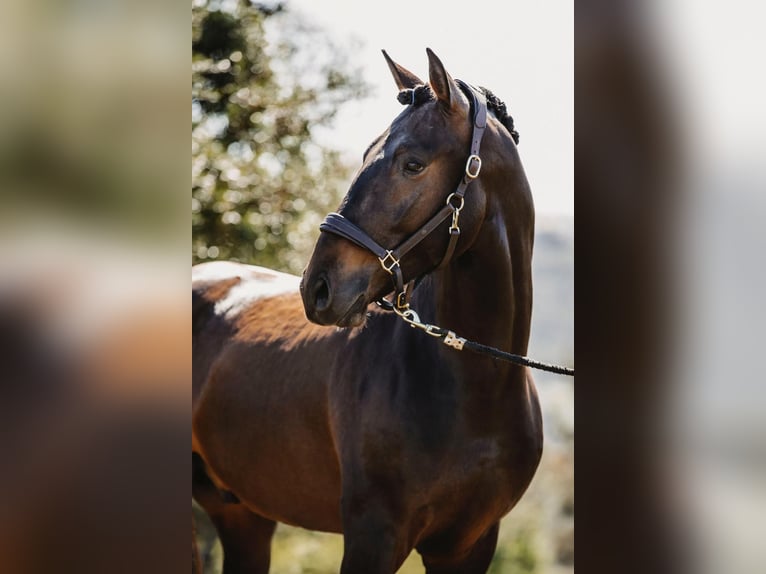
(232,287)
(260,385)
(221,292)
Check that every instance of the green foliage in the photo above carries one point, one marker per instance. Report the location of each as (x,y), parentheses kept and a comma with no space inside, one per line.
(262,83)
(518,556)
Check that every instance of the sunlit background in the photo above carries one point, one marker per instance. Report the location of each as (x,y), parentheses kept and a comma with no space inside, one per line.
(522,51)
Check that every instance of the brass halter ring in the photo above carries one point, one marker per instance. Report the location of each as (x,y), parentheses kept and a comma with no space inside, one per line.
(473,174)
(452,205)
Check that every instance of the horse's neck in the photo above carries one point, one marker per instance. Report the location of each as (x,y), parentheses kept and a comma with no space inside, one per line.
(485,295)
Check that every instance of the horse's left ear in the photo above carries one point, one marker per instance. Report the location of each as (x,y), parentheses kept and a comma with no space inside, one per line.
(445,88)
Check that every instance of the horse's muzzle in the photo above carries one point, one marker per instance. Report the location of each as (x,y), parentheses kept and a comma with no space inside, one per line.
(328,303)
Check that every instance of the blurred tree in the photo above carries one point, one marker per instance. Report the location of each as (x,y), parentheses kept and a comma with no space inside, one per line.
(518,556)
(262,81)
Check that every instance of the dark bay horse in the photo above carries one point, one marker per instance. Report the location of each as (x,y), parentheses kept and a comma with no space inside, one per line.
(371,428)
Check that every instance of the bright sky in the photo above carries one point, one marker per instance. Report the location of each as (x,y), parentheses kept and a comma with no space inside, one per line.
(521,50)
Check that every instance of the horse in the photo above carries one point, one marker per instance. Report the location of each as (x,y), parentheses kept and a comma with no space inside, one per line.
(314,407)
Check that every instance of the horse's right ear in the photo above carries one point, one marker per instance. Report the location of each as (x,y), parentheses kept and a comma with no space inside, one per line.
(405,80)
(448,93)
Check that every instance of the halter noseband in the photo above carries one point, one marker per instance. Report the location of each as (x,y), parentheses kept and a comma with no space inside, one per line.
(390,258)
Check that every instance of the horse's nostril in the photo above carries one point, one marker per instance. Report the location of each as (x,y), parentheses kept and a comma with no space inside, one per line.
(321,294)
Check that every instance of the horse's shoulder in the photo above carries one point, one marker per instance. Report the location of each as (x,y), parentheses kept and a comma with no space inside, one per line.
(233,287)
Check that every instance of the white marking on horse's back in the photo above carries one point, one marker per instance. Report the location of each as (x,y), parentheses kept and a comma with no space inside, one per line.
(255,283)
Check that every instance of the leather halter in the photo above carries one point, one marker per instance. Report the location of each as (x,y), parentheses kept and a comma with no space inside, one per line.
(390,258)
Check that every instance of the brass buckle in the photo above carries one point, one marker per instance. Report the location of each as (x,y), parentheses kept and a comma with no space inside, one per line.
(388,267)
(401,301)
(411,317)
(452,340)
(454,228)
(468,172)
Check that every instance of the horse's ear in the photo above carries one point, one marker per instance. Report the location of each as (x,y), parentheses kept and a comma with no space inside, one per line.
(405,80)
(446,89)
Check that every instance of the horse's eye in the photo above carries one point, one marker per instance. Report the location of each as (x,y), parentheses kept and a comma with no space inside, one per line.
(413,167)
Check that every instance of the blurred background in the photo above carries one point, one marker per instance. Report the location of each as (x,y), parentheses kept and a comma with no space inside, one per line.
(95,360)
(286,97)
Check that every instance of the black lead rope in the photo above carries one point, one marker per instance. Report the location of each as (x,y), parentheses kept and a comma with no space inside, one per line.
(517,359)
(450,339)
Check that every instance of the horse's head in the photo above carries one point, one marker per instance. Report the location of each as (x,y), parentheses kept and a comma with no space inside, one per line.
(407,175)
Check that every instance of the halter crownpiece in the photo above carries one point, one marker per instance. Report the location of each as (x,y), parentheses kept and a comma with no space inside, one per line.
(390,258)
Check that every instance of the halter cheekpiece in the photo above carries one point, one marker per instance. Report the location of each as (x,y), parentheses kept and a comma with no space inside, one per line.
(390,258)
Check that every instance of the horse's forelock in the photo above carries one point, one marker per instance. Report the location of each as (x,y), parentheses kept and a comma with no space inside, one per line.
(423,93)
(415,96)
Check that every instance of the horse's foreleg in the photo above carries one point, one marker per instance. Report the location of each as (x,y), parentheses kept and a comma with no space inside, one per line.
(245,538)
(372,541)
(475,560)
(196,564)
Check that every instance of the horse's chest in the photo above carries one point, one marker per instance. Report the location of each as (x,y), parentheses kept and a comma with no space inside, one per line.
(476,480)
(478,468)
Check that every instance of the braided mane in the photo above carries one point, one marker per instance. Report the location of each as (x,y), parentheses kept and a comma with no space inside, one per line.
(501,113)
(423,93)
